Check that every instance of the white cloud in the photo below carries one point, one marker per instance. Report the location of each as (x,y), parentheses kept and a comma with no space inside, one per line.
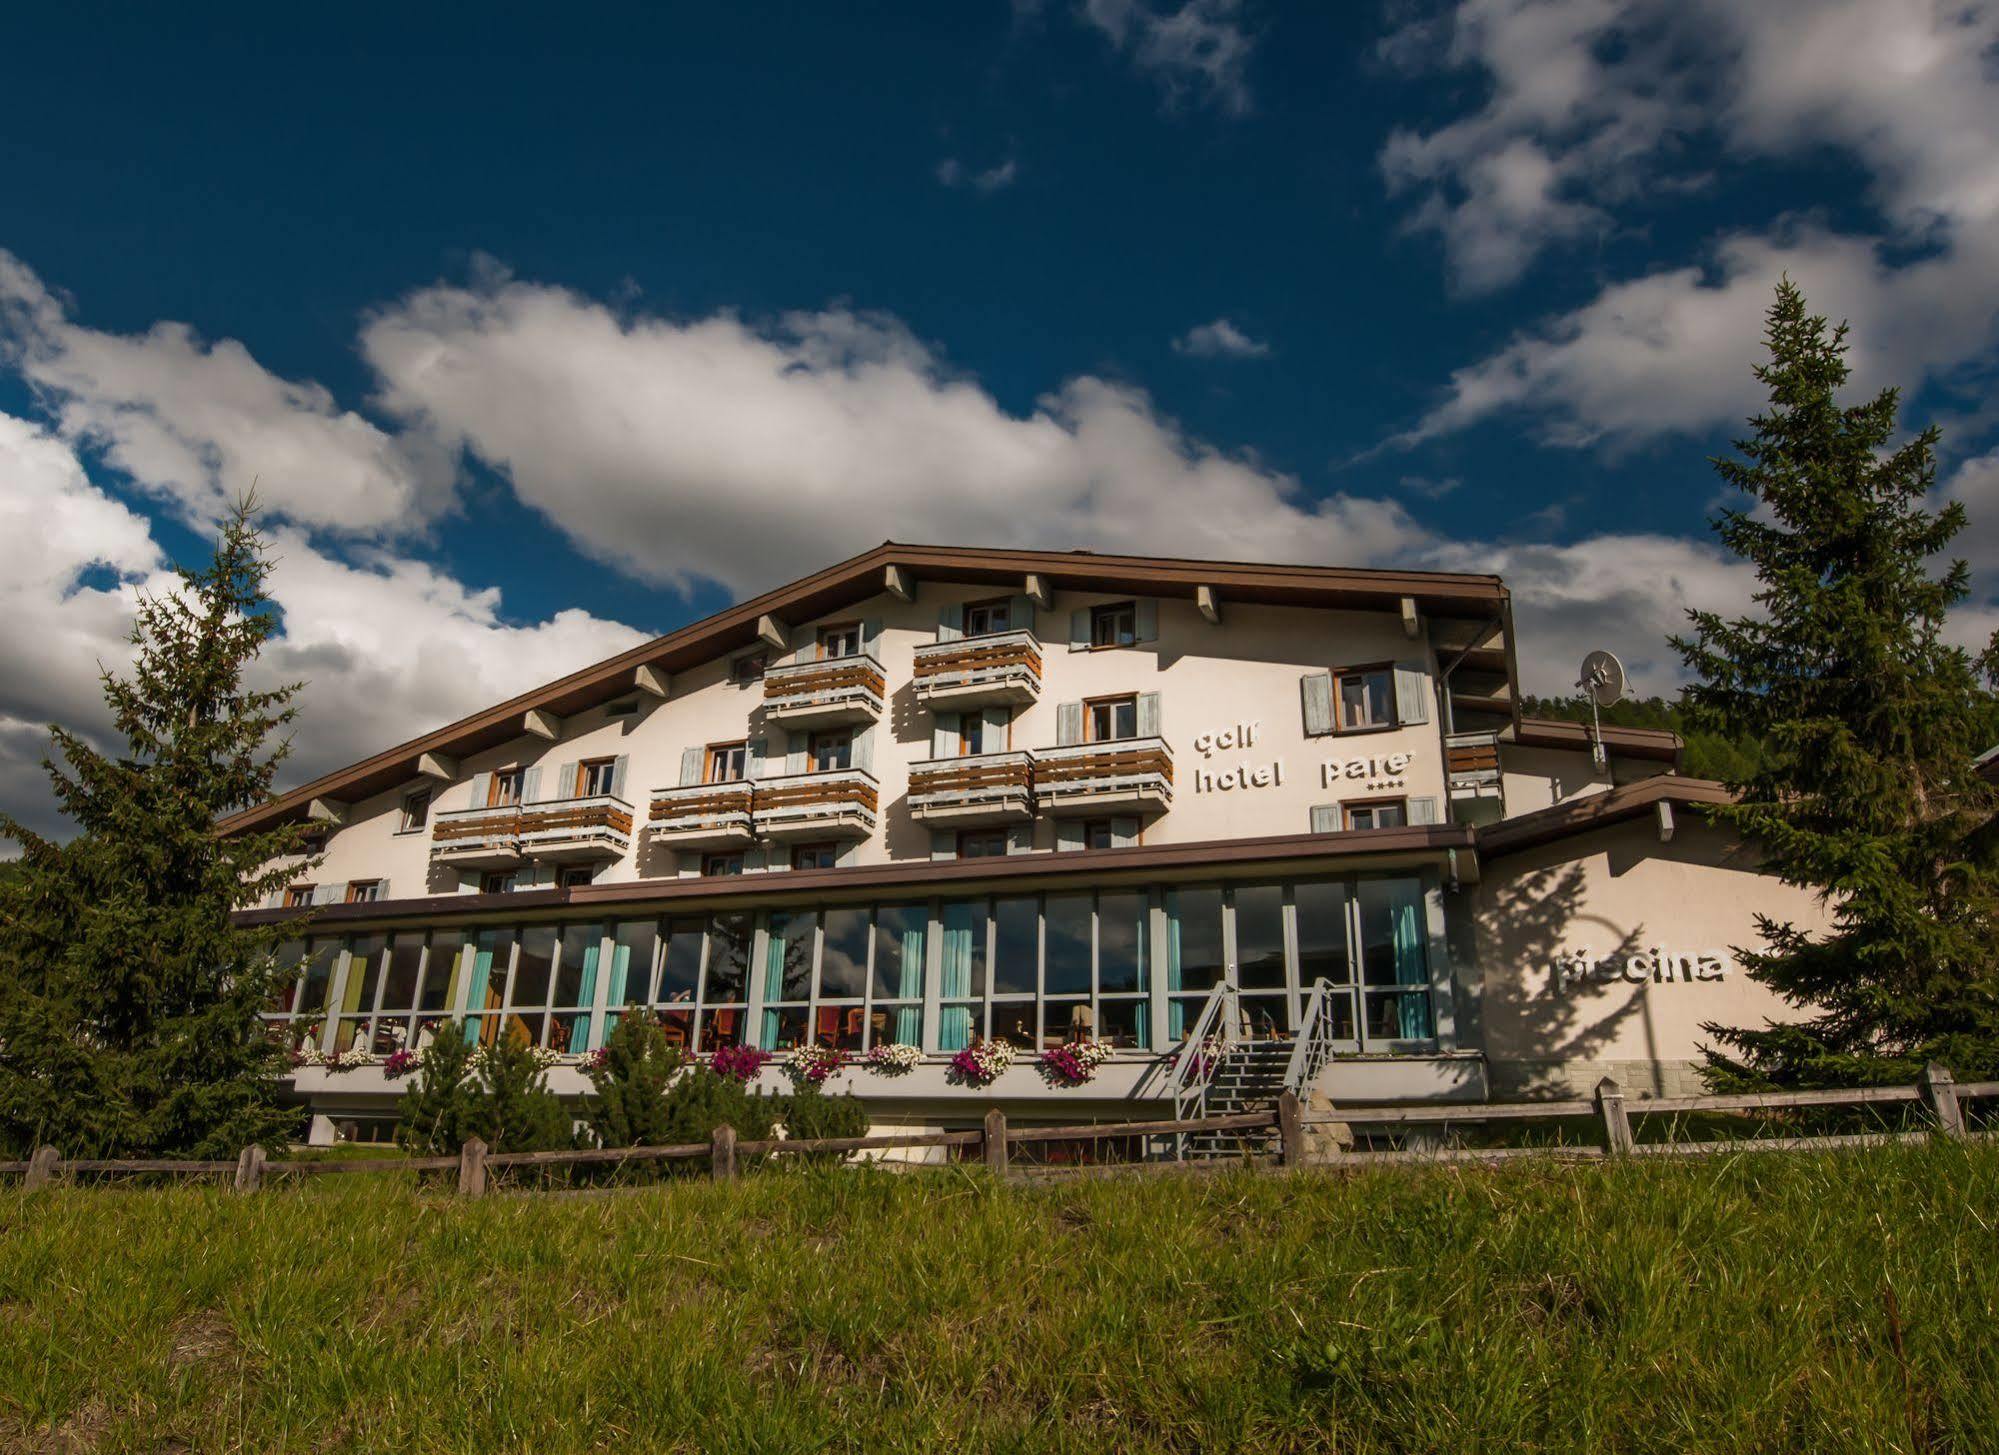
(1201,49)
(1219,340)
(198,424)
(954,173)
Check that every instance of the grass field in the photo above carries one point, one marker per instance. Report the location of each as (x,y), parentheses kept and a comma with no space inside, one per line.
(1738,1304)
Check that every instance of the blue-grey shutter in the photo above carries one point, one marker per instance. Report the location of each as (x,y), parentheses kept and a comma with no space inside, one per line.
(758,764)
(1020,838)
(328,893)
(1068,835)
(1148,714)
(997,719)
(1079,629)
(1145,620)
(1317,691)
(690,766)
(864,749)
(565,782)
(944,736)
(531,784)
(482,789)
(1412,693)
(1422,810)
(1020,614)
(794,755)
(848,854)
(1325,818)
(755,859)
(689,865)
(943,845)
(618,766)
(951,622)
(871,636)
(1124,832)
(382,890)
(1068,724)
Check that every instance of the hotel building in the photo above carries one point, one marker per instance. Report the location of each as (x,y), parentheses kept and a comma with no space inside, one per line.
(930,796)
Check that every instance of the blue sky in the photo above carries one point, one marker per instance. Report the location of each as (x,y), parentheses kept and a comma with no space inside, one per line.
(543,333)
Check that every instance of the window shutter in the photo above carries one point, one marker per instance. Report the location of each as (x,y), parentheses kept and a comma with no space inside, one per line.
(1020,614)
(1145,620)
(482,789)
(1068,724)
(794,757)
(1317,690)
(1020,838)
(864,749)
(755,860)
(1325,818)
(690,766)
(1068,835)
(1079,629)
(951,622)
(1412,693)
(758,763)
(689,865)
(944,736)
(1148,714)
(848,854)
(531,784)
(943,845)
(328,893)
(382,890)
(1124,832)
(1422,810)
(618,766)
(997,719)
(871,636)
(565,782)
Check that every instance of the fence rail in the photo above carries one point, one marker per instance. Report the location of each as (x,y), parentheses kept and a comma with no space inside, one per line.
(1288,1124)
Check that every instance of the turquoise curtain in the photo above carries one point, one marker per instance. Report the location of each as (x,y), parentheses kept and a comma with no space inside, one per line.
(1411,968)
(1142,1031)
(1176,1009)
(481,951)
(961,921)
(621,959)
(773,978)
(586,994)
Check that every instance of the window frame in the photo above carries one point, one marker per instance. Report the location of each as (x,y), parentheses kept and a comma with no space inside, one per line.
(995,839)
(1111,701)
(989,604)
(746,669)
(708,860)
(839,632)
(1114,612)
(580,787)
(1351,806)
(1371,669)
(415,820)
(299,896)
(514,779)
(813,744)
(723,753)
(363,891)
(821,848)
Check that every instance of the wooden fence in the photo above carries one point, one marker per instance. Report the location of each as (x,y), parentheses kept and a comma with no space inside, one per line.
(1289,1125)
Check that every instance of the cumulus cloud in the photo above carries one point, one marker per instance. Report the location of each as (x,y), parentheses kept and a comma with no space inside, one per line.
(1219,340)
(1199,50)
(953,173)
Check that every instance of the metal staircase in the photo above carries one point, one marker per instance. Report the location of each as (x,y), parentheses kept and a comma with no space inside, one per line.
(1219,1072)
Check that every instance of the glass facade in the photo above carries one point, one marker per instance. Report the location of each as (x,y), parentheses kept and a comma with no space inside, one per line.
(1129,966)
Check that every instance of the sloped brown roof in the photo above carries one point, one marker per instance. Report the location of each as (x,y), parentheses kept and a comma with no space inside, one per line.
(1597,810)
(1443,594)
(1655,744)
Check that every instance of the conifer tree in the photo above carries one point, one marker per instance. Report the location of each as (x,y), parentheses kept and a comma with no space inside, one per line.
(629,1081)
(1869,718)
(439,1110)
(128,999)
(517,1111)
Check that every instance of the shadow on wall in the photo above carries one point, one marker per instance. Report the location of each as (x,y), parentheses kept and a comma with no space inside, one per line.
(1542,1028)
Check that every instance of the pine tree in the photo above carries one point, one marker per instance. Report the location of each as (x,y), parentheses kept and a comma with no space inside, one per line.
(128,999)
(516,1110)
(629,1082)
(439,1110)
(1869,720)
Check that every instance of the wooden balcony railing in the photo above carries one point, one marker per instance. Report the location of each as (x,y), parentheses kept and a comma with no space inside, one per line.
(988,787)
(488,836)
(701,814)
(1126,771)
(1003,667)
(1471,760)
(839,689)
(842,803)
(598,827)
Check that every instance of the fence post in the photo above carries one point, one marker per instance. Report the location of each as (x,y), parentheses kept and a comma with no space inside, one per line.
(250,1168)
(472,1168)
(722,1152)
(41,1167)
(1939,1089)
(1291,1127)
(995,1142)
(1616,1124)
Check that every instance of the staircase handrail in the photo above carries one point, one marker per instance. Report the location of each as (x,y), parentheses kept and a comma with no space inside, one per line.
(1312,1047)
(1190,1058)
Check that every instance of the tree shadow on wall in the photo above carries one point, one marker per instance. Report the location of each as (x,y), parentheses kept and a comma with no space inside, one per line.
(1548,1025)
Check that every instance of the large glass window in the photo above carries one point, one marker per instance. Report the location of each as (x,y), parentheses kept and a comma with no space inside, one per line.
(1394,960)
(1196,955)
(839,1015)
(300,981)
(534,975)
(680,978)
(963,968)
(489,966)
(365,954)
(572,1016)
(901,932)
(726,980)
(789,945)
(399,994)
(437,1001)
(1124,971)
(1322,909)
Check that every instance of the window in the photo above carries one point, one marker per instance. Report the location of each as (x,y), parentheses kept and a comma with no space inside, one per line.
(573,875)
(727,762)
(749,668)
(1111,718)
(416,811)
(1194,954)
(363,891)
(843,640)
(839,1014)
(497,882)
(505,789)
(1390,813)
(982,844)
(828,752)
(813,856)
(1115,625)
(717,866)
(298,896)
(300,981)
(1097,834)
(1261,968)
(1365,698)
(790,942)
(358,989)
(593,777)
(725,980)
(983,618)
(1394,955)
(895,1014)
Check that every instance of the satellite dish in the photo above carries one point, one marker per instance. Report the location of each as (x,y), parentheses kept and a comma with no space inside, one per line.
(1602,679)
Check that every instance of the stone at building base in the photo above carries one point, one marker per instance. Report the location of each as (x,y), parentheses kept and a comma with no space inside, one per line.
(1324,1140)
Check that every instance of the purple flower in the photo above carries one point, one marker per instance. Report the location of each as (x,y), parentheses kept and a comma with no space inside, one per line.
(739,1063)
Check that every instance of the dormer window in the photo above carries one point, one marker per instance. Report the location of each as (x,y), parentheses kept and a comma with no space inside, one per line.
(843,640)
(983,618)
(1114,625)
(416,811)
(749,668)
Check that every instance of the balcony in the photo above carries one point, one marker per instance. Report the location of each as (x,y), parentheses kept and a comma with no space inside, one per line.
(987,788)
(1471,769)
(701,816)
(1124,775)
(979,671)
(840,804)
(478,838)
(576,830)
(829,693)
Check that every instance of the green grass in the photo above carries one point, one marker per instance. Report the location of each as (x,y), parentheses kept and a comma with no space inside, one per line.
(1736,1304)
